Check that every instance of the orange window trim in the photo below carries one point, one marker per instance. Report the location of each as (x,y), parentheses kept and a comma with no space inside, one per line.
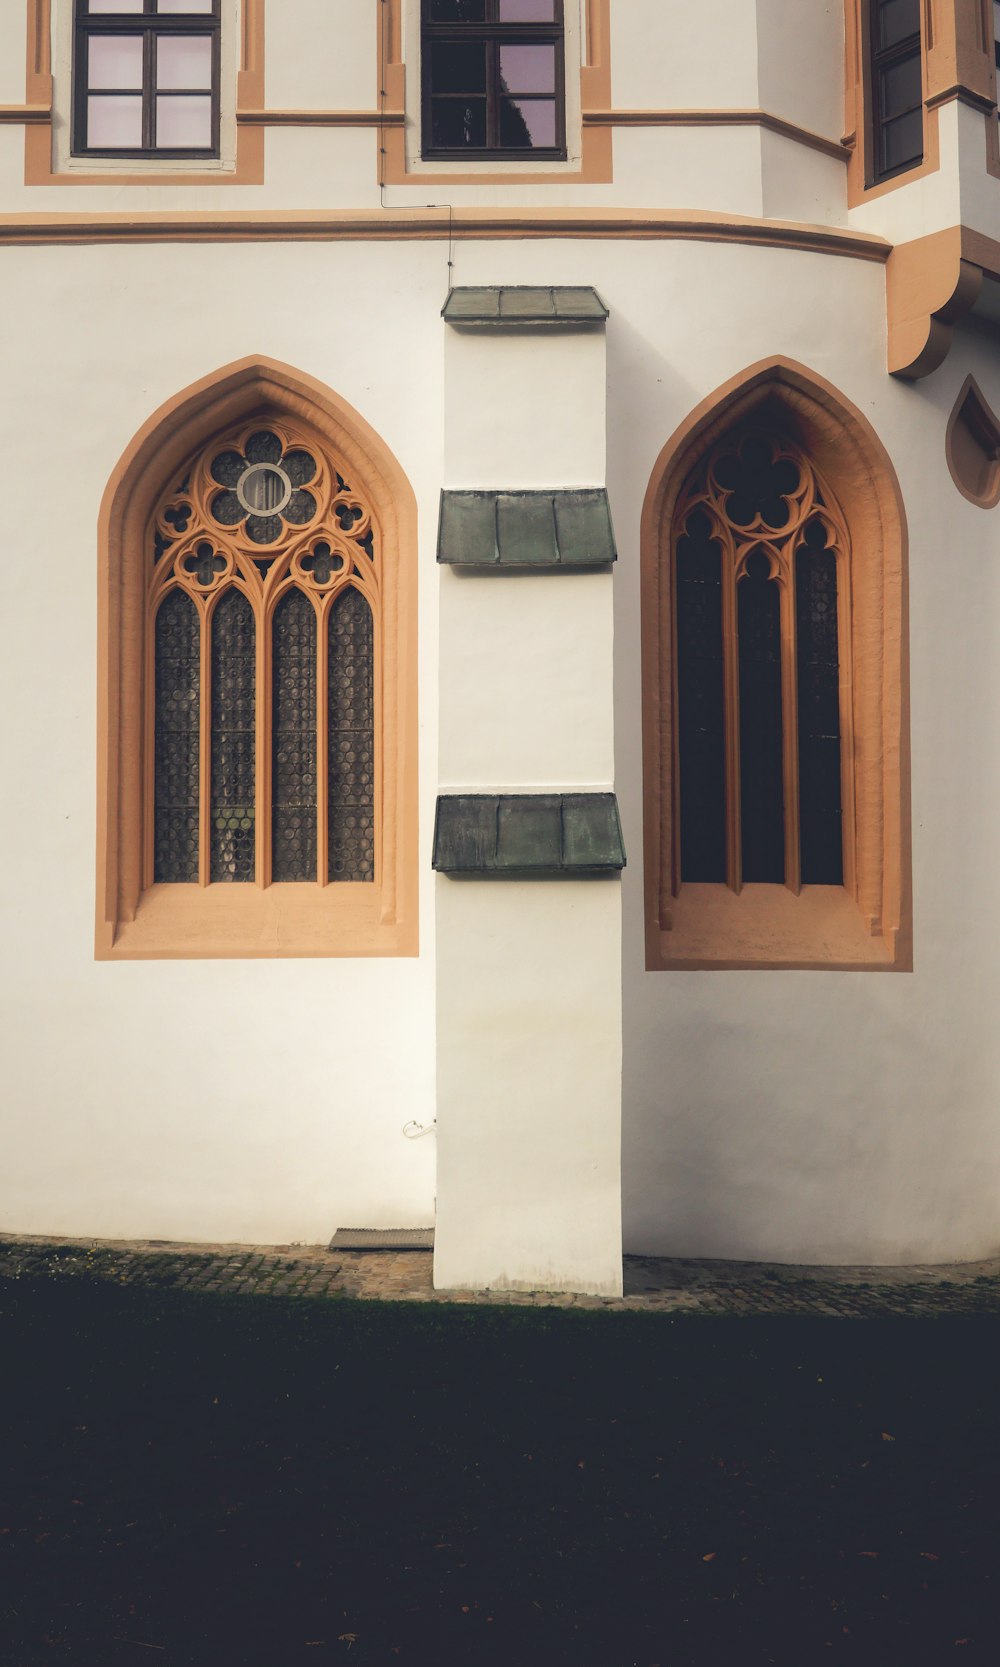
(38,137)
(137,919)
(595,95)
(866,923)
(958,65)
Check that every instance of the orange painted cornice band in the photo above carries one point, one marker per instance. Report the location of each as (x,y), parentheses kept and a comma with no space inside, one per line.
(718,118)
(320,118)
(402,225)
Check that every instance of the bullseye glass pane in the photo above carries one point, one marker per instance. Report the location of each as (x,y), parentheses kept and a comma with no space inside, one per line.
(114,123)
(527,124)
(175,748)
(115,62)
(701,743)
(184,122)
(184,61)
(293,713)
(234,711)
(818,669)
(458,123)
(761,765)
(351,745)
(528,69)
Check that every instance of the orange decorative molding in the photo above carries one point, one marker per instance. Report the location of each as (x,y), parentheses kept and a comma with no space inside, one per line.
(595,166)
(139,919)
(13,114)
(834,148)
(320,118)
(865,923)
(931,283)
(972,446)
(270,226)
(39,160)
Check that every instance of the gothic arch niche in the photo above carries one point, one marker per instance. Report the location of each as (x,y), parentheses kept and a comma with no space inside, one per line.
(864,920)
(972,446)
(341,546)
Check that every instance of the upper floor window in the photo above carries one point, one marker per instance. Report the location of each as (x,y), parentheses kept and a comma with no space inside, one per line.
(146,78)
(493,78)
(897,119)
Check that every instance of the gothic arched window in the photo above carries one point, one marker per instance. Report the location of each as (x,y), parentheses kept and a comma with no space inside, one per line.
(264,598)
(775,730)
(258,717)
(761,572)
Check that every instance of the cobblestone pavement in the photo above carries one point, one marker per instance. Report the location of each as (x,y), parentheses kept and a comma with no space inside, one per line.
(652,1284)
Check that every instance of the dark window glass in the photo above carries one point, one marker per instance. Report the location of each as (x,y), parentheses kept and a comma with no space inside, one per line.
(895,88)
(701,739)
(896,21)
(176,748)
(818,675)
(493,77)
(293,739)
(459,67)
(458,123)
(146,79)
(351,739)
(234,713)
(761,764)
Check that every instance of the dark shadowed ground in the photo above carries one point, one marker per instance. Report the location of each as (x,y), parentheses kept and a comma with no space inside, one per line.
(203,1479)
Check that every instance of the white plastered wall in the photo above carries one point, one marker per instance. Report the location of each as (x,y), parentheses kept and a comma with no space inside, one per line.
(259,1100)
(528,971)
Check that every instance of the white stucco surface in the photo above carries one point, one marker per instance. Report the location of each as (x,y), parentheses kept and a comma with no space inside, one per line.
(529,1071)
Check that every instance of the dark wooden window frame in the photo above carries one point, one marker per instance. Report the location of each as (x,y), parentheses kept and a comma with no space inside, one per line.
(881,58)
(152,26)
(495,34)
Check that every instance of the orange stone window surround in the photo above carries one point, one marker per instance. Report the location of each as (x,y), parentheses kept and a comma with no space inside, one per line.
(864,923)
(138,918)
(40,167)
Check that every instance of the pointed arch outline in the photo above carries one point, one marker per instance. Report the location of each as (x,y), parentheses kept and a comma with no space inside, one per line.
(869,925)
(155,921)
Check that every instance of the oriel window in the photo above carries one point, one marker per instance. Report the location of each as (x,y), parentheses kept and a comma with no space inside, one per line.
(896,94)
(146,78)
(493,78)
(761,607)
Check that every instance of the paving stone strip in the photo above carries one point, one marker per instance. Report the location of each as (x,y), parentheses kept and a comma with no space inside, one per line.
(652,1283)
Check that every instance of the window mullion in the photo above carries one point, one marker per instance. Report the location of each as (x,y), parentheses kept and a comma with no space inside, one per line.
(148,91)
(205,748)
(323,742)
(264,621)
(790,717)
(492,94)
(731,696)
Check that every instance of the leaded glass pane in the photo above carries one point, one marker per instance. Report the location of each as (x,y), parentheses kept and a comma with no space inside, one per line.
(351,743)
(234,712)
(176,750)
(293,771)
(820,820)
(761,764)
(701,742)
